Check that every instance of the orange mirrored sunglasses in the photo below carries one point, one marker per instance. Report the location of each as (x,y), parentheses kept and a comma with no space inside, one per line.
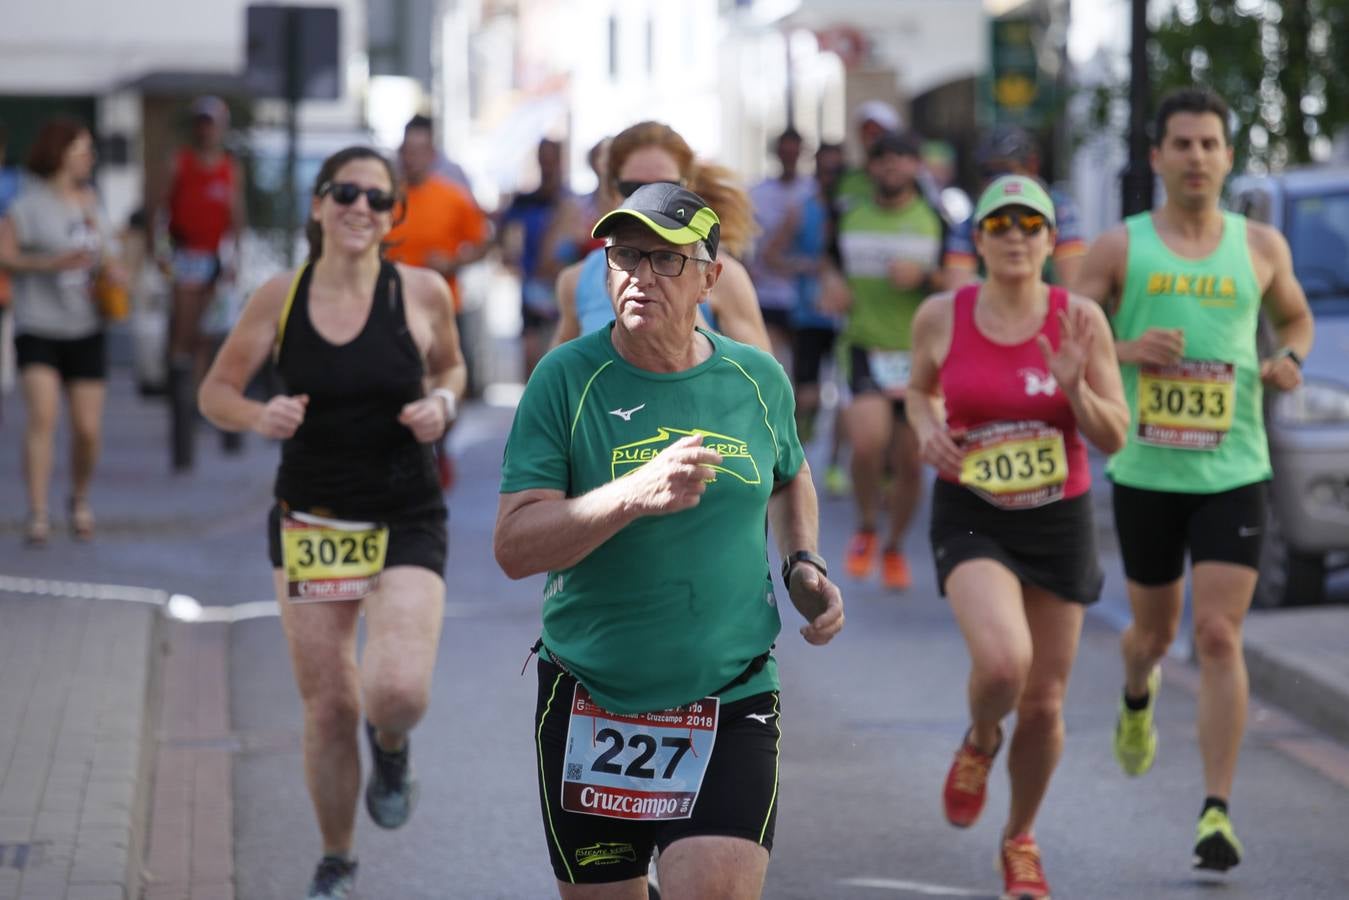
(1003,222)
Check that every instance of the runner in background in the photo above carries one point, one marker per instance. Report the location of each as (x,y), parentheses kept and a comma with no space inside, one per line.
(9,189)
(1011,150)
(441,229)
(204,211)
(889,248)
(777,210)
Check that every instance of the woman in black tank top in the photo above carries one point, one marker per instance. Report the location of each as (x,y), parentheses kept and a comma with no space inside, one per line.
(370,360)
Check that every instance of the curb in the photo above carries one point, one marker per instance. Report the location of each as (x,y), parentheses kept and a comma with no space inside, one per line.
(1296,660)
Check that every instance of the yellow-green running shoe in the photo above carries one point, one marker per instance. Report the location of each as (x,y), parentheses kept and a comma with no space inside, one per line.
(1136,732)
(1216,846)
(836,481)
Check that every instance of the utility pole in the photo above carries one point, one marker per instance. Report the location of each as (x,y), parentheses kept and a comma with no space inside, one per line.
(1138,173)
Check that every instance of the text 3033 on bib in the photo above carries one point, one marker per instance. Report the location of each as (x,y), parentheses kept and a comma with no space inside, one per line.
(1015,465)
(1187,406)
(331,559)
(647,767)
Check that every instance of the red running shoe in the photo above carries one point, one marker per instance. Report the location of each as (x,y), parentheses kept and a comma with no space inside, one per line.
(967,783)
(861,554)
(1023,878)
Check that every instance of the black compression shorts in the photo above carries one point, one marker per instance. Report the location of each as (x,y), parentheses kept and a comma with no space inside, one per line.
(1156,527)
(809,348)
(413,541)
(738,796)
(1051,547)
(76,359)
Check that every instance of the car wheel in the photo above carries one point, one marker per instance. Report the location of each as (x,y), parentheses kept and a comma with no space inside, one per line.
(1287,577)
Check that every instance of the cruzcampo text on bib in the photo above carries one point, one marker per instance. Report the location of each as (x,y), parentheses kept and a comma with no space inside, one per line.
(647,767)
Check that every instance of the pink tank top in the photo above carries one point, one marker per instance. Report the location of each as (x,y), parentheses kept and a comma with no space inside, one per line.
(1003,398)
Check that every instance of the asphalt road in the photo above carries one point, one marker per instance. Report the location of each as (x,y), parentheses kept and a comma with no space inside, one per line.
(869,724)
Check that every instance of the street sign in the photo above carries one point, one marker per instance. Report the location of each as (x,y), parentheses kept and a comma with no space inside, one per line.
(293,52)
(1016,90)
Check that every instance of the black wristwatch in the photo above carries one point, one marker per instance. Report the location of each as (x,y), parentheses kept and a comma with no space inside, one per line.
(1291,354)
(802,556)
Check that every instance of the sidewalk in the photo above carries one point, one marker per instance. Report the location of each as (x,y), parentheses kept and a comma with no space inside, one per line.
(80,679)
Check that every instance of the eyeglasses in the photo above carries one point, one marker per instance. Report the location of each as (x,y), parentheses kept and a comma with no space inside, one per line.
(1001,223)
(663,262)
(345,193)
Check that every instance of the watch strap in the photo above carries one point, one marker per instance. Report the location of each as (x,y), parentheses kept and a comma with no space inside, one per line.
(802,556)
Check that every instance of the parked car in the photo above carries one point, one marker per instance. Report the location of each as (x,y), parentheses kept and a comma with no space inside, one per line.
(1308,427)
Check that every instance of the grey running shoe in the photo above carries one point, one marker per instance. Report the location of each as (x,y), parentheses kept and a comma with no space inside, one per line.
(391,792)
(334,879)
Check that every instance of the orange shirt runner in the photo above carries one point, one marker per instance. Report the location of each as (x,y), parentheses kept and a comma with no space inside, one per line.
(441,217)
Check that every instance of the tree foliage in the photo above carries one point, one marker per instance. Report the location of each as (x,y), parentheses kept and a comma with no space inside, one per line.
(1283,65)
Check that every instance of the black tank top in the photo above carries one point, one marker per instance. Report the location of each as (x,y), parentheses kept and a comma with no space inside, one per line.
(351,458)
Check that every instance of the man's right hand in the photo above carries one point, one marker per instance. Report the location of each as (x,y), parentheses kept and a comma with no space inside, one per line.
(1156,346)
(675,480)
(281,416)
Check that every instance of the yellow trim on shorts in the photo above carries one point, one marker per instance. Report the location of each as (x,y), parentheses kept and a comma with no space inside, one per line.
(543,779)
(777,766)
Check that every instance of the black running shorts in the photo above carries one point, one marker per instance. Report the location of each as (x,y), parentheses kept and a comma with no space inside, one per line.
(1156,527)
(809,348)
(414,541)
(1052,547)
(738,796)
(76,359)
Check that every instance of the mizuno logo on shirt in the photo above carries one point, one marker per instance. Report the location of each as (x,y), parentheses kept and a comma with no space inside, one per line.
(761,718)
(626,414)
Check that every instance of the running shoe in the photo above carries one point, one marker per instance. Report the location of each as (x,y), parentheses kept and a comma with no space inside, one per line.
(1216,847)
(967,783)
(836,481)
(861,554)
(391,792)
(895,572)
(1136,732)
(1023,877)
(334,879)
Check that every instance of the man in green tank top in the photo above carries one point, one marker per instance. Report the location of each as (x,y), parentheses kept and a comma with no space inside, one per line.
(1185,287)
(889,248)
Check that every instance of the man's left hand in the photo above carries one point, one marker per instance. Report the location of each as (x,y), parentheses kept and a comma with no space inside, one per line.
(818,599)
(1281,373)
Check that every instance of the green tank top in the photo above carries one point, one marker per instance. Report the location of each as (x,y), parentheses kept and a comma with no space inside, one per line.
(1197,428)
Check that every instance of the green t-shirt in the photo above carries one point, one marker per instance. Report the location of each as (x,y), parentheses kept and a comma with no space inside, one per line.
(672,607)
(1216,302)
(869,240)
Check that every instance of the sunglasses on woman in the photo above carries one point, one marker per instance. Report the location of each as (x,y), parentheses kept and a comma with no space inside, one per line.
(1002,222)
(345,193)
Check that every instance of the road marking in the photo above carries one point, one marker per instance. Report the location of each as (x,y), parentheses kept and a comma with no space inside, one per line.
(913,887)
(184,608)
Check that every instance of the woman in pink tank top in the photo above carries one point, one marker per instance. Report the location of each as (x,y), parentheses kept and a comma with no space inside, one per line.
(1025,372)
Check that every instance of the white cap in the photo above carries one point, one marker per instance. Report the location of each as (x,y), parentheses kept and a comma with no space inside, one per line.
(880,112)
(209,107)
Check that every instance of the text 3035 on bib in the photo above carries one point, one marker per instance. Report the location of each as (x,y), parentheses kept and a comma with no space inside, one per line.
(1015,465)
